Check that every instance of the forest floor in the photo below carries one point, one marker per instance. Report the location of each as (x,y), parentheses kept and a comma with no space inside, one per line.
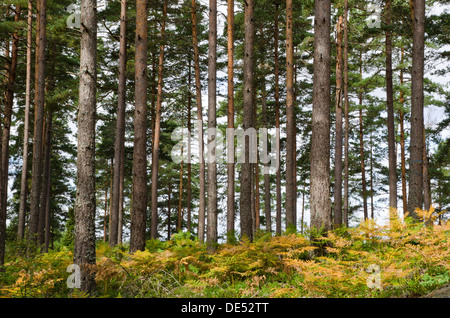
(401,260)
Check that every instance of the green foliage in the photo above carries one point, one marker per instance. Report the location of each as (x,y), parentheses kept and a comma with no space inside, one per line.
(412,260)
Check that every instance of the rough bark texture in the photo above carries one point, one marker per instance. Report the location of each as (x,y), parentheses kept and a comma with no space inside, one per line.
(119,142)
(139,204)
(277,122)
(36,178)
(346,116)
(290,120)
(338,138)
(26,129)
(230,122)
(320,142)
(246,167)
(417,99)
(84,247)
(390,111)
(198,90)
(211,235)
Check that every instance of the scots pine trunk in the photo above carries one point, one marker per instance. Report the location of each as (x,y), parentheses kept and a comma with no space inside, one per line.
(248,123)
(320,140)
(390,113)
(417,100)
(361,145)
(119,141)
(277,121)
(402,138)
(290,120)
(84,245)
(346,116)
(211,234)
(139,188)
(36,178)
(230,117)
(198,91)
(26,129)
(338,141)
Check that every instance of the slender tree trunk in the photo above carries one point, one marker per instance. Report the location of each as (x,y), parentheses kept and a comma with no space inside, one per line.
(230,122)
(390,111)
(211,235)
(9,100)
(169,212)
(105,214)
(338,142)
(121,196)
(267,194)
(198,90)
(189,165)
(26,129)
(84,247)
(139,204)
(320,140)
(277,123)
(180,197)
(36,179)
(372,208)
(426,181)
(346,116)
(417,100)
(361,145)
(246,167)
(402,140)
(290,119)
(119,141)
(46,182)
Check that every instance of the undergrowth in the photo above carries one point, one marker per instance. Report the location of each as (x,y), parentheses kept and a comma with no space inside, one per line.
(401,259)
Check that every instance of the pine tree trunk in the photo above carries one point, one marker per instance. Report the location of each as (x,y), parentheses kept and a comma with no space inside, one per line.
(277,123)
(267,194)
(390,111)
(198,90)
(402,139)
(230,122)
(426,181)
(211,235)
(36,179)
(338,141)
(246,166)
(189,165)
(417,101)
(139,187)
(361,146)
(290,119)
(320,140)
(84,247)
(346,116)
(119,142)
(26,129)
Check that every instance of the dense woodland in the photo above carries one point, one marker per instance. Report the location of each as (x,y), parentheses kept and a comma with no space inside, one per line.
(354,94)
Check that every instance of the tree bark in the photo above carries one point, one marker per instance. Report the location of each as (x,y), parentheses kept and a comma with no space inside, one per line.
(211,235)
(36,179)
(320,140)
(290,120)
(230,121)
(246,166)
(277,122)
(84,247)
(338,141)
(361,145)
(417,101)
(119,141)
(346,116)
(198,90)
(26,129)
(402,139)
(390,111)
(139,188)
